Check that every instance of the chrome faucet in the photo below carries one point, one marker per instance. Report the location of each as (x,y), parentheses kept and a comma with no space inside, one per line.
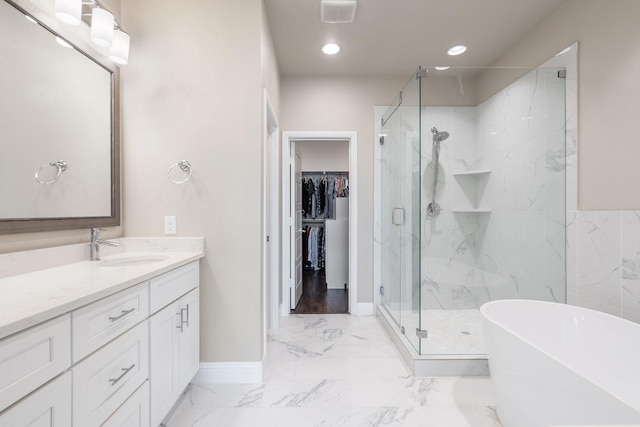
(96,242)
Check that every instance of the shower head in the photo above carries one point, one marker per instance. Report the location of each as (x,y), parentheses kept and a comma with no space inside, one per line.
(439,136)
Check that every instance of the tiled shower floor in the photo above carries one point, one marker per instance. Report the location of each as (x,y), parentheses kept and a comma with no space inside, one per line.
(337,370)
(450,332)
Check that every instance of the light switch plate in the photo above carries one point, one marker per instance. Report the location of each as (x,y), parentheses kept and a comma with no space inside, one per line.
(170,226)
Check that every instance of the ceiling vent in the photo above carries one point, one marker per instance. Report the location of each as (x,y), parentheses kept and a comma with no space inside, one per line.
(338,11)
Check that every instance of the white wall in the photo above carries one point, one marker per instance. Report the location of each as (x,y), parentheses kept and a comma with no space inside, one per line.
(324,155)
(193,90)
(344,104)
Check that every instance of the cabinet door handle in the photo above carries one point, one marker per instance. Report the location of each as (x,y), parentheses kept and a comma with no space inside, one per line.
(122,314)
(125,371)
(187,310)
(182,318)
(181,322)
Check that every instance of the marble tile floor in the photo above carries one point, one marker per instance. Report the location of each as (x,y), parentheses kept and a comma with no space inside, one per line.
(336,370)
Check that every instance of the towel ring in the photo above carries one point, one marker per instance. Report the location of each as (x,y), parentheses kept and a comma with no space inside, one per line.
(60,165)
(185,167)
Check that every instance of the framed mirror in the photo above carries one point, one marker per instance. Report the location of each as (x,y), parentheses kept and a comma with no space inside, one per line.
(59,117)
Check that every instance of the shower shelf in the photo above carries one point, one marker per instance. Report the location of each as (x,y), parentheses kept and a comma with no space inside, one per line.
(472,173)
(470,210)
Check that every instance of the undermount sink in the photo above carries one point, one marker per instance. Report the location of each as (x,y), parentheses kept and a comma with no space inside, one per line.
(129,261)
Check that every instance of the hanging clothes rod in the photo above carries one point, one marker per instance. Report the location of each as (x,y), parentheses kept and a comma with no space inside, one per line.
(325,172)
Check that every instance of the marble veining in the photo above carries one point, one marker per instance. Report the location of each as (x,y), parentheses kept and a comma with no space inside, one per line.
(361,383)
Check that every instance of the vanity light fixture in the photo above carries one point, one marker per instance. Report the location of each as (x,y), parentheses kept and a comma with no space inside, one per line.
(119,51)
(442,68)
(102,23)
(457,50)
(69,11)
(105,31)
(330,49)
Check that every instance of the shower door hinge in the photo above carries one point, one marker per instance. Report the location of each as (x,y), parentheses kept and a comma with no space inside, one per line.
(402,329)
(421,333)
(422,72)
(381,139)
(562,74)
(381,290)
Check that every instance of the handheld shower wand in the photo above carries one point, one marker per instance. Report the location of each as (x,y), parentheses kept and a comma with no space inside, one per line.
(433,209)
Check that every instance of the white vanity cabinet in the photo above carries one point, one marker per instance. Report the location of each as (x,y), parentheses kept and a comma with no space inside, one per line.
(121,360)
(174,338)
(32,357)
(49,406)
(109,376)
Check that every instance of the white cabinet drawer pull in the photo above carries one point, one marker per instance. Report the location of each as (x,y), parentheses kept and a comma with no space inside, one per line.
(122,314)
(125,371)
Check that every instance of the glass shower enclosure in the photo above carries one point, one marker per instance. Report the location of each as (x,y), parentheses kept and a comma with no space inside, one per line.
(472,200)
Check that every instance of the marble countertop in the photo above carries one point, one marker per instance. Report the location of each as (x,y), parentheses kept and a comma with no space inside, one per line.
(36,296)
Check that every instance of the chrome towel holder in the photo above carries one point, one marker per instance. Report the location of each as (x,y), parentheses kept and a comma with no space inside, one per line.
(60,165)
(185,167)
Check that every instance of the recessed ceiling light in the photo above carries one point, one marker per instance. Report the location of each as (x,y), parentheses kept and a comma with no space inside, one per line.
(442,68)
(457,50)
(330,49)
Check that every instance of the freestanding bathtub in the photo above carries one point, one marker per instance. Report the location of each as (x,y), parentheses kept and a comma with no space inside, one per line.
(555,364)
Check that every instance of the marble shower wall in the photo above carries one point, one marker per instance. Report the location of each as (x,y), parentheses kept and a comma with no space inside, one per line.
(518,249)
(604,252)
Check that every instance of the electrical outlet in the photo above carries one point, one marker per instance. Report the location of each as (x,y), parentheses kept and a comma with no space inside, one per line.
(170,226)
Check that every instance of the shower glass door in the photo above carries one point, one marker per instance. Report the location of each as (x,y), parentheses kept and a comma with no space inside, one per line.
(400,215)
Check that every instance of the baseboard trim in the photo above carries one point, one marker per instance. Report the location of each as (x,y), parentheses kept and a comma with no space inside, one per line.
(364,309)
(229,373)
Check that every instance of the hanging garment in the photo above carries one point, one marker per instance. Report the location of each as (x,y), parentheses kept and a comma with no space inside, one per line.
(313,248)
(330,196)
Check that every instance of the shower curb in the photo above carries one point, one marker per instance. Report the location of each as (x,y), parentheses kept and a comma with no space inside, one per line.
(430,366)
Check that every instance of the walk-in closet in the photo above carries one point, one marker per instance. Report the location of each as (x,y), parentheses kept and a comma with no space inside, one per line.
(325,226)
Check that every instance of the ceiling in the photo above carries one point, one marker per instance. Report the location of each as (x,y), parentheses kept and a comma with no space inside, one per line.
(392,37)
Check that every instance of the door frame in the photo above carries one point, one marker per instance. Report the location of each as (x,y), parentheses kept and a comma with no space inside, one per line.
(270,219)
(287,211)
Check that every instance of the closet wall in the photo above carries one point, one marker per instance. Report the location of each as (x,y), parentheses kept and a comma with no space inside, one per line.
(324,155)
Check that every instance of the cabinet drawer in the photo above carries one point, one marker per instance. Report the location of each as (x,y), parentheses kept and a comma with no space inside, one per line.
(100,322)
(104,380)
(170,286)
(32,357)
(134,412)
(48,406)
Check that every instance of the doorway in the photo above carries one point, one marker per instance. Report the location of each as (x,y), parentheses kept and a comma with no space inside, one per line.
(292,227)
(322,186)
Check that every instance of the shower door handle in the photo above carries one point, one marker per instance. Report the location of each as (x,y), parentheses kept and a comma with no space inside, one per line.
(398,216)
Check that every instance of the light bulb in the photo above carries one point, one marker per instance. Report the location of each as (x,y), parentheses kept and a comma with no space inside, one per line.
(330,49)
(457,50)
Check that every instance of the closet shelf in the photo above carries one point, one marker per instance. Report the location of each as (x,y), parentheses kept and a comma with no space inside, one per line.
(472,172)
(471,210)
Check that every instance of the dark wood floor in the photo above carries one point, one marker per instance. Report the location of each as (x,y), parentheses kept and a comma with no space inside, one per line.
(316,298)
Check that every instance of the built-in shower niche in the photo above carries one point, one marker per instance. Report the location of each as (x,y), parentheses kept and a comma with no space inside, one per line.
(472,184)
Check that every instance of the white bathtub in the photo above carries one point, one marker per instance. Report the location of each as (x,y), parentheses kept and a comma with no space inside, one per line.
(556,364)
